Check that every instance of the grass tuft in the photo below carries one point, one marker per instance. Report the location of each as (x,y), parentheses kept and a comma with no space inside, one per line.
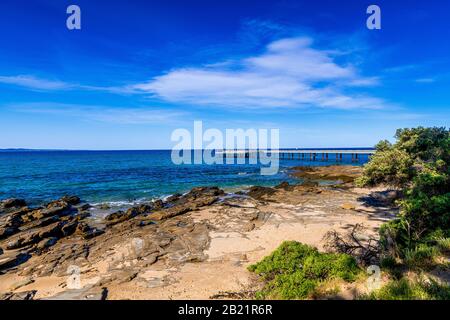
(405,289)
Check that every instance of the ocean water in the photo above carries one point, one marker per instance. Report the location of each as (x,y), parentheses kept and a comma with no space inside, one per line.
(122,177)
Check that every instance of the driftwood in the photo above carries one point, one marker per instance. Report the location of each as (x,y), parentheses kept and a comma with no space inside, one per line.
(365,249)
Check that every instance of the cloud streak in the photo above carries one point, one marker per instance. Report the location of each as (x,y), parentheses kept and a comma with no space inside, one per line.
(290,73)
(35,83)
(115,115)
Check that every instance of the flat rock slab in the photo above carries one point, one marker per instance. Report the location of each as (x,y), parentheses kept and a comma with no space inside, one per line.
(88,293)
(26,295)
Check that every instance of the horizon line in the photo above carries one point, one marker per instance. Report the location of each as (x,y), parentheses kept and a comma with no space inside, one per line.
(100,150)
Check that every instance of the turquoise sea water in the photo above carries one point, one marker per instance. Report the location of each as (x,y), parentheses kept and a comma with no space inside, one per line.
(121,176)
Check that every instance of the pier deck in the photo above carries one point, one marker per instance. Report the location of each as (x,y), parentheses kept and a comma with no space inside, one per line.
(303,154)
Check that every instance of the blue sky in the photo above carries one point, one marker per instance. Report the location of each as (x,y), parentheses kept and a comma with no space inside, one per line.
(137,70)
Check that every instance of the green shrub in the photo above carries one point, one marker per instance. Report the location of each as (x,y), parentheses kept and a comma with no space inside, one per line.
(423,256)
(295,270)
(404,289)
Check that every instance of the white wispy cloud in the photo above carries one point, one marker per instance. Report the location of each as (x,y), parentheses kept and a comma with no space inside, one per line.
(41,84)
(290,73)
(425,80)
(118,115)
(32,82)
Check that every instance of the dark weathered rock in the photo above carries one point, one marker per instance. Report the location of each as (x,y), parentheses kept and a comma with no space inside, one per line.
(72,200)
(157,204)
(204,191)
(92,233)
(46,243)
(14,220)
(283,185)
(105,206)
(84,207)
(69,228)
(258,192)
(12,259)
(33,236)
(116,217)
(121,216)
(174,197)
(87,232)
(169,213)
(13,203)
(77,217)
(6,232)
(40,223)
(53,210)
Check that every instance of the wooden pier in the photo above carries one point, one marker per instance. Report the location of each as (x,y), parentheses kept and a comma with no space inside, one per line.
(304,154)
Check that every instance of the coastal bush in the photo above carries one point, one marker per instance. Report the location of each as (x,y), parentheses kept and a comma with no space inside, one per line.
(295,270)
(404,289)
(418,163)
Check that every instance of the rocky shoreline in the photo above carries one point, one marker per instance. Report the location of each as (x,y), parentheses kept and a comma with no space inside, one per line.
(166,248)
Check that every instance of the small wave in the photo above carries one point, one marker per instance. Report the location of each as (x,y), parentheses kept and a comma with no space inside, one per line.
(121,203)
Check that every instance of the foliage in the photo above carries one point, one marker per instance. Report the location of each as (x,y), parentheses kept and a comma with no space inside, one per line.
(421,257)
(295,270)
(444,245)
(405,289)
(390,166)
(419,163)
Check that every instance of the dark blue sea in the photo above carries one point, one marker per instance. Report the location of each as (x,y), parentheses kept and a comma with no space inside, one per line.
(123,176)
